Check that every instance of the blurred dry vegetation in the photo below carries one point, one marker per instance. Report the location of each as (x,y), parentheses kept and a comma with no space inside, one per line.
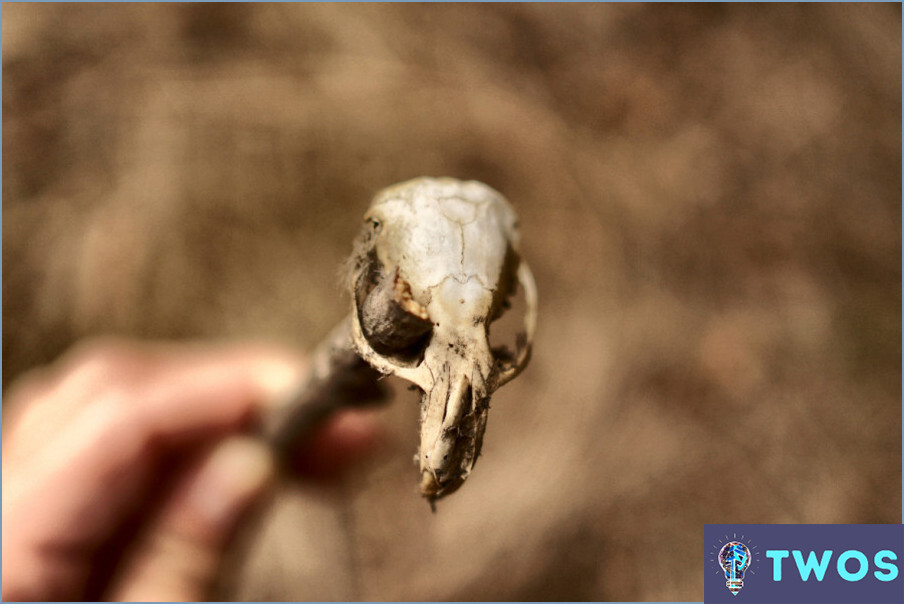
(711,202)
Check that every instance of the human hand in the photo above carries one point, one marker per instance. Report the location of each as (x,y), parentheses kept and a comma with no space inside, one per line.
(125,471)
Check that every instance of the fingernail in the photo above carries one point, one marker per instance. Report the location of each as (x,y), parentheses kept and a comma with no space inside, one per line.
(348,437)
(236,471)
(278,378)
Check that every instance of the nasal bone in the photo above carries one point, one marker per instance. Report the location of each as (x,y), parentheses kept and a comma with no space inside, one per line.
(458,402)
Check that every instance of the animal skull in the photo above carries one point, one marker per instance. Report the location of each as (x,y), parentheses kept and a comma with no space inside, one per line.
(433,267)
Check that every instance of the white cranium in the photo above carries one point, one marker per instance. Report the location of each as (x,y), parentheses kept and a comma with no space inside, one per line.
(432,269)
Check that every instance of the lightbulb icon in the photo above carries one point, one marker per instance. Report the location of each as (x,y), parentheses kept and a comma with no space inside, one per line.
(734,558)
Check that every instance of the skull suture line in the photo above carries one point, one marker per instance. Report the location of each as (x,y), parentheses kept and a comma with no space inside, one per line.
(434,265)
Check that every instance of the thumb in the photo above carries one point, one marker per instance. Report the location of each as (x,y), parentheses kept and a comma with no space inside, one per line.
(179,558)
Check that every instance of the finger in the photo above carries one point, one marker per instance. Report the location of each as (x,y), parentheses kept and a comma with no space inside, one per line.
(138,406)
(348,437)
(167,391)
(187,388)
(179,557)
(68,485)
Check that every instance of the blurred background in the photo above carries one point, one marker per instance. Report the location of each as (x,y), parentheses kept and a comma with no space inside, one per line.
(710,199)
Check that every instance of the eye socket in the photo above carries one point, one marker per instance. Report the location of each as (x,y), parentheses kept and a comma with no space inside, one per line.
(389,322)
